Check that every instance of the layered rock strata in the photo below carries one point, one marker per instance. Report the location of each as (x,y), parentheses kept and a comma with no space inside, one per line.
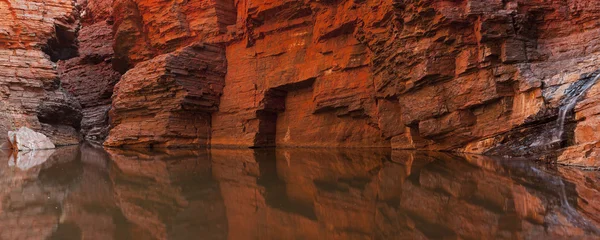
(90,76)
(168,101)
(175,71)
(33,34)
(466,76)
(145,29)
(486,77)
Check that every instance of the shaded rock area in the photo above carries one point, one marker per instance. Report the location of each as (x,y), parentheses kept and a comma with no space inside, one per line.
(292,194)
(90,76)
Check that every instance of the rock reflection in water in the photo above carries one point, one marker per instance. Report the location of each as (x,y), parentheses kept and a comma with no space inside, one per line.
(89,193)
(29,159)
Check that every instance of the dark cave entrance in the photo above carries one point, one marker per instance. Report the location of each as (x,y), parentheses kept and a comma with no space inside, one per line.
(63,45)
(272,105)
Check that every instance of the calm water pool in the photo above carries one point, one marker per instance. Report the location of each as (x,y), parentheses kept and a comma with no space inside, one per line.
(88,193)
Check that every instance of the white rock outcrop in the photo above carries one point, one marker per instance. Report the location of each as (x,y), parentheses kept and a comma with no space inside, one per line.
(26,139)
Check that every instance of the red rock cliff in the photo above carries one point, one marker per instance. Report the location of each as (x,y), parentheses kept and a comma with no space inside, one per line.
(435,75)
(472,76)
(484,77)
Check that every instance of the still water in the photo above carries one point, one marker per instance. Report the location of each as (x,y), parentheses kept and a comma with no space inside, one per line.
(86,192)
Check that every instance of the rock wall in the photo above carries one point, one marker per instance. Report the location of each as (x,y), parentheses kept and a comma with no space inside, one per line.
(33,35)
(470,76)
(175,63)
(167,101)
(90,76)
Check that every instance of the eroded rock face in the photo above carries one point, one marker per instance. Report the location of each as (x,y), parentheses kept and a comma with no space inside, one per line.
(466,76)
(90,76)
(176,70)
(33,34)
(585,151)
(144,29)
(470,76)
(307,74)
(168,101)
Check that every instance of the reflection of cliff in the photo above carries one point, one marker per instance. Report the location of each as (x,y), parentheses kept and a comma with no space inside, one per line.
(31,200)
(265,200)
(168,195)
(87,193)
(82,194)
(288,194)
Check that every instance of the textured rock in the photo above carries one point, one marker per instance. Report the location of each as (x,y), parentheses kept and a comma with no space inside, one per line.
(438,75)
(176,70)
(145,29)
(32,33)
(469,76)
(26,139)
(90,77)
(308,76)
(167,101)
(585,151)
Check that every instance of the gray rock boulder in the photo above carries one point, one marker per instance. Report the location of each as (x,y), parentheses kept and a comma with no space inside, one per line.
(26,139)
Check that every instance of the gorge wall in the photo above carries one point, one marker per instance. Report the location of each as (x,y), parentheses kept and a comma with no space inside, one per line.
(484,77)
(33,36)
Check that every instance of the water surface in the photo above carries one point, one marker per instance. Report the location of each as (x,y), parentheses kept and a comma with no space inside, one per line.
(88,193)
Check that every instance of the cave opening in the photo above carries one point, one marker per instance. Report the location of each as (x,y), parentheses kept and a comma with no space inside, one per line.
(63,45)
(273,104)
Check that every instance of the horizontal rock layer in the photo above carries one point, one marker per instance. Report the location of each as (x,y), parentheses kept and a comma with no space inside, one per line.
(167,101)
